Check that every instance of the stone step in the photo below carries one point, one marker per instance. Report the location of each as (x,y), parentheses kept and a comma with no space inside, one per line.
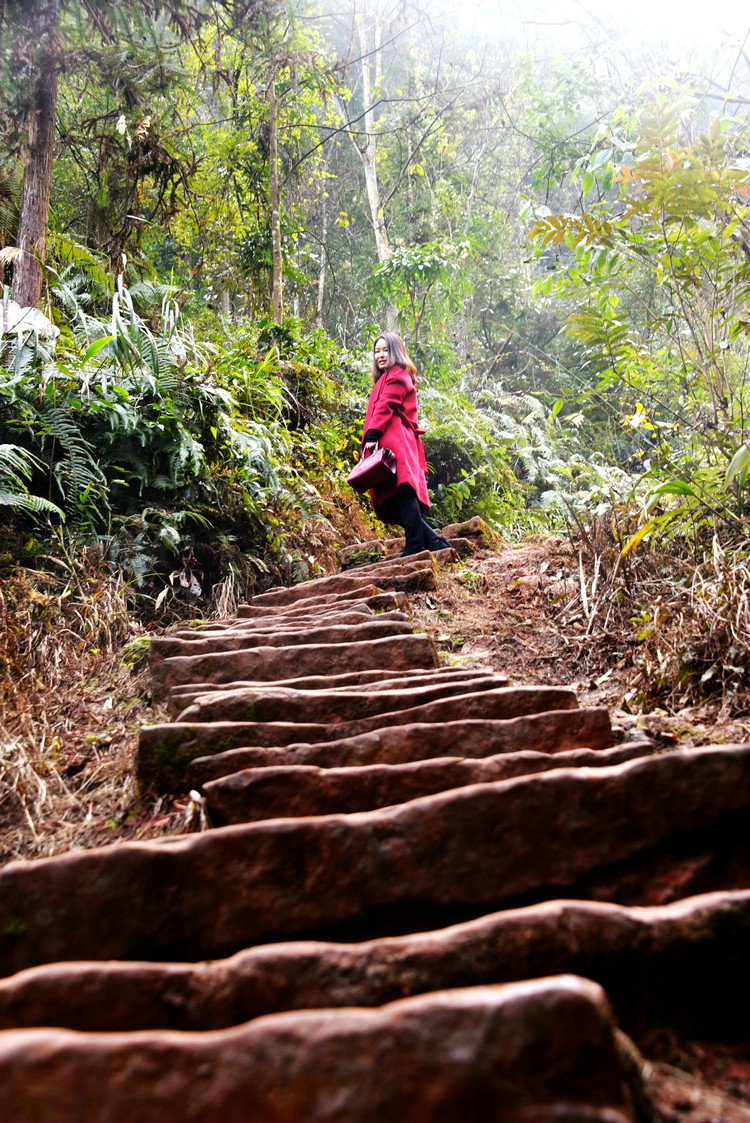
(355,612)
(370,595)
(368,553)
(165,750)
(391,624)
(351,612)
(327,707)
(517,1053)
(643,832)
(476,530)
(294,791)
(384,567)
(642,956)
(337,584)
(266,664)
(181,696)
(550,732)
(341,583)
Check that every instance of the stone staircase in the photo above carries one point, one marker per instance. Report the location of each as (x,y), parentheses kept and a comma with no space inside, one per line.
(426,895)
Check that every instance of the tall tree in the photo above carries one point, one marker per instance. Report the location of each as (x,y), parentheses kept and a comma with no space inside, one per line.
(32,46)
(39,40)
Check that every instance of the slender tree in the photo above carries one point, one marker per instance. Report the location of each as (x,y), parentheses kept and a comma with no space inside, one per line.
(34,41)
(39,39)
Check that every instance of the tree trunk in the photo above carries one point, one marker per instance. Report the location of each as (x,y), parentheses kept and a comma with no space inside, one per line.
(323,252)
(368,155)
(277,302)
(37,180)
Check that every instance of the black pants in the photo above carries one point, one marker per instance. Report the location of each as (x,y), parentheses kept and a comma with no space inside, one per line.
(403,508)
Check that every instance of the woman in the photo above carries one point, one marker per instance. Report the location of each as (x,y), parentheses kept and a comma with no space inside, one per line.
(391,421)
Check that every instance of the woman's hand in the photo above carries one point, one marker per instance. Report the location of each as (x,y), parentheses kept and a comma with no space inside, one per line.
(368,449)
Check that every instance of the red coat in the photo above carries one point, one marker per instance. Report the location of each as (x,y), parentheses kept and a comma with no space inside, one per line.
(392,408)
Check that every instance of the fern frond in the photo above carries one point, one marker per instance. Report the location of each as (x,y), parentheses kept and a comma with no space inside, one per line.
(29,504)
(16,467)
(11,186)
(69,252)
(77,473)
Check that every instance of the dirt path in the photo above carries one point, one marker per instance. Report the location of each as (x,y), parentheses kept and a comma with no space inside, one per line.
(518,609)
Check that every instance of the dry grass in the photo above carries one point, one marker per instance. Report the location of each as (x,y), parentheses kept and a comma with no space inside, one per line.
(73,693)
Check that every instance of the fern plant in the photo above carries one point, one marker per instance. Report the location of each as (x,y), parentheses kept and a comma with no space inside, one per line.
(17,466)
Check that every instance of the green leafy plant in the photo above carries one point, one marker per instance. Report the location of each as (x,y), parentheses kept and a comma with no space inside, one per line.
(17,466)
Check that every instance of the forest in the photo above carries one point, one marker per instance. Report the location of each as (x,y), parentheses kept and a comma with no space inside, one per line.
(207,211)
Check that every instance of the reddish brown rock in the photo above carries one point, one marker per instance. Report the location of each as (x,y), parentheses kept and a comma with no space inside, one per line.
(366,594)
(267,664)
(292,791)
(360,552)
(205,895)
(181,696)
(462,546)
(475,530)
(329,707)
(384,568)
(339,583)
(415,581)
(370,595)
(165,750)
(522,1053)
(641,956)
(367,553)
(355,613)
(553,731)
(167,647)
(321,586)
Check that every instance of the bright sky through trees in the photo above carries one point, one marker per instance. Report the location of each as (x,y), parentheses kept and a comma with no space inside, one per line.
(681,21)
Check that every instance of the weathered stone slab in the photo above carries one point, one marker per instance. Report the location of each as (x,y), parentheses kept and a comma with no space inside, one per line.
(353,613)
(367,553)
(180,697)
(338,583)
(205,895)
(321,586)
(470,1054)
(475,529)
(363,552)
(417,580)
(267,664)
(641,956)
(167,647)
(328,707)
(381,679)
(550,732)
(164,750)
(383,606)
(408,577)
(292,791)
(370,595)
(386,567)
(462,546)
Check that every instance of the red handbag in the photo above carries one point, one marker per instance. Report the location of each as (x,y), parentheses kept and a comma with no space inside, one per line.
(373,470)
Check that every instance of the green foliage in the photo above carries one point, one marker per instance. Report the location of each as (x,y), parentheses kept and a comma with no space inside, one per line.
(16,469)
(662,283)
(426,282)
(469,470)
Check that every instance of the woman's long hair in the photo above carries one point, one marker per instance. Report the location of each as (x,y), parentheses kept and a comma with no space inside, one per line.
(398,356)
